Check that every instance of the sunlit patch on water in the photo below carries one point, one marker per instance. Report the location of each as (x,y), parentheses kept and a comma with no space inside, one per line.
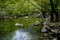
(21,35)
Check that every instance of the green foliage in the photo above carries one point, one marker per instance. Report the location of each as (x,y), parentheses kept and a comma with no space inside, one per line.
(11,8)
(6,27)
(20,7)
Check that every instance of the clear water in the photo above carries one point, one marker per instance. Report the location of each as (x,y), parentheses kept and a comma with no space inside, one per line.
(22,34)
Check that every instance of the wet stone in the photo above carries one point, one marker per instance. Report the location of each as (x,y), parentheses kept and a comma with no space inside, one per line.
(54,30)
(38,16)
(26,17)
(45,34)
(37,23)
(15,17)
(18,24)
(43,29)
(55,38)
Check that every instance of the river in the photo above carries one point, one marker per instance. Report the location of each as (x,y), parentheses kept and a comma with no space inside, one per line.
(21,34)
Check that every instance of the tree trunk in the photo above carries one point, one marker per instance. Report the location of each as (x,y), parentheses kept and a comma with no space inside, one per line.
(44,13)
(54,11)
(52,17)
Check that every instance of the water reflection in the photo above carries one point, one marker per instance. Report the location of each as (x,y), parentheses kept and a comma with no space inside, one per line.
(21,35)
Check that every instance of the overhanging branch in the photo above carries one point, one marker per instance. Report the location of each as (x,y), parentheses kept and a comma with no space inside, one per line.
(41,5)
(35,6)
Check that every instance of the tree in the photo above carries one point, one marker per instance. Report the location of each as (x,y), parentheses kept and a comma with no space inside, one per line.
(54,11)
(47,5)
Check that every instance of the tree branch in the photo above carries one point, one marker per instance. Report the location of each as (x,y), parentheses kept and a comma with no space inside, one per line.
(35,6)
(41,5)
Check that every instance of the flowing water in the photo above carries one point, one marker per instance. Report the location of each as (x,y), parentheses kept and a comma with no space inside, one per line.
(21,34)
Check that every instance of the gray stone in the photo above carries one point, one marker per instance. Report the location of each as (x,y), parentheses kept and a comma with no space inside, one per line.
(43,29)
(18,24)
(37,23)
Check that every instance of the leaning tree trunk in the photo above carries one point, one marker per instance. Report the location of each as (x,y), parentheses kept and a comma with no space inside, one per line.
(54,11)
(44,13)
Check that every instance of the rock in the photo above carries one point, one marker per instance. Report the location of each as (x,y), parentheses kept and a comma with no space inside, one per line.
(55,38)
(45,34)
(18,24)
(21,25)
(45,39)
(54,30)
(52,24)
(26,17)
(37,23)
(38,16)
(44,23)
(15,17)
(46,19)
(43,29)
(1,17)
(45,26)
